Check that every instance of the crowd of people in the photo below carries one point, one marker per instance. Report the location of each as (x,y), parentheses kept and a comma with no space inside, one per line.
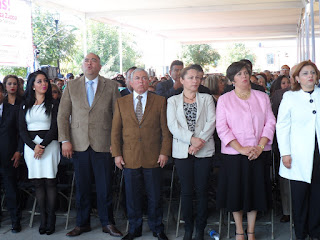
(138,123)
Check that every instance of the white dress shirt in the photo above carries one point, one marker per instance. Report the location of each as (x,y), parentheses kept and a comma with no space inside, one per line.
(143,100)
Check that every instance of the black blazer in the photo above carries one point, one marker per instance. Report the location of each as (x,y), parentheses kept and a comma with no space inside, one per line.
(125,92)
(9,134)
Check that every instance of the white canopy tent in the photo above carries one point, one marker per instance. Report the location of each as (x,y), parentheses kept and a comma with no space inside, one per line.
(206,21)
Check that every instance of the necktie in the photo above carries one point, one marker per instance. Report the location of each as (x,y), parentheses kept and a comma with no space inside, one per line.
(139,112)
(90,93)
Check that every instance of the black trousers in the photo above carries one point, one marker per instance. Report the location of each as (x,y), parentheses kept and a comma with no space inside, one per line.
(100,165)
(135,181)
(194,175)
(9,181)
(305,202)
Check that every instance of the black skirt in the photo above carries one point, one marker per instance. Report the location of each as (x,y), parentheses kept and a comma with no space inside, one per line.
(243,184)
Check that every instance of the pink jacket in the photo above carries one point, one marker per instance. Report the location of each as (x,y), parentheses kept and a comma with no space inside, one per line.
(244,120)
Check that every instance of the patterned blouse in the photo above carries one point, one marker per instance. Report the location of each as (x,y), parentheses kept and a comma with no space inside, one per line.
(190,111)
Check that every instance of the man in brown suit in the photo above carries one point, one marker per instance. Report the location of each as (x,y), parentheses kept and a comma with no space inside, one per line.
(84,123)
(141,144)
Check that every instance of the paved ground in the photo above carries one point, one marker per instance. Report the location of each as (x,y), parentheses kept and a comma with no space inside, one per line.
(263,232)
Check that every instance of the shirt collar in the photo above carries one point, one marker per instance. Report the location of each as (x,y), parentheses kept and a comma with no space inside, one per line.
(144,95)
(94,80)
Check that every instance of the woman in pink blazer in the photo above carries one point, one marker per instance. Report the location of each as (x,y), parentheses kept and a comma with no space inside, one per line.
(245,125)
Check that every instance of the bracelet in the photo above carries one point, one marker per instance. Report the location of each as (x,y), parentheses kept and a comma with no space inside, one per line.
(261,146)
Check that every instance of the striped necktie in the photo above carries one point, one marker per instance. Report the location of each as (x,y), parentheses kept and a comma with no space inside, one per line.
(139,112)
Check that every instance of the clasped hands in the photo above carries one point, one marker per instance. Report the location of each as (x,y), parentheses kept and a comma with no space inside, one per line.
(253,152)
(38,151)
(196,145)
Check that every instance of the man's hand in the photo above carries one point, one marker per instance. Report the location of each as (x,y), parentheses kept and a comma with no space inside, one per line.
(16,157)
(67,150)
(119,162)
(287,161)
(162,160)
(197,142)
(38,151)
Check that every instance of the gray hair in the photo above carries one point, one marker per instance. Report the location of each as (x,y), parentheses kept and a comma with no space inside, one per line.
(138,70)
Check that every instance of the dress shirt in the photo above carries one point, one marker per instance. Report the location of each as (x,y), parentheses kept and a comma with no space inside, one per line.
(143,100)
(94,85)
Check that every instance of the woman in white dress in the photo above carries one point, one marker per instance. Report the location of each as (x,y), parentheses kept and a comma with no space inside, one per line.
(39,132)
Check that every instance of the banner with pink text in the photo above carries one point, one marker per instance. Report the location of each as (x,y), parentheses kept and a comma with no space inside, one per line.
(15,33)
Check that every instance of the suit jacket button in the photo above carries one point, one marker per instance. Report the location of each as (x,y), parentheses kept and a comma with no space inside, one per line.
(139,139)
(314,111)
(311,101)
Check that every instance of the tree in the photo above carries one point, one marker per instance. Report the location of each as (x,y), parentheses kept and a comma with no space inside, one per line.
(53,45)
(202,54)
(234,53)
(103,40)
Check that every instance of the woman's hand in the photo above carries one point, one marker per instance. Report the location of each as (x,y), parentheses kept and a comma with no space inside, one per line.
(254,154)
(197,142)
(193,150)
(38,151)
(286,160)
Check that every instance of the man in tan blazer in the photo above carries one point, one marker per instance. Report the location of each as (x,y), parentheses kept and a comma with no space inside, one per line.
(141,144)
(84,123)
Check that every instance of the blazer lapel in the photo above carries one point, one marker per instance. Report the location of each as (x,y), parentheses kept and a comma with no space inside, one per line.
(180,110)
(150,99)
(199,105)
(100,88)
(131,107)
(83,91)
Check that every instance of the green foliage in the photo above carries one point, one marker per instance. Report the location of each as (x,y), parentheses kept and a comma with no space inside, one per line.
(19,71)
(202,54)
(53,45)
(234,53)
(103,40)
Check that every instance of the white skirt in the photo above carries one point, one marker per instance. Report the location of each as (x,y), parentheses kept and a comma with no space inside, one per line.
(47,165)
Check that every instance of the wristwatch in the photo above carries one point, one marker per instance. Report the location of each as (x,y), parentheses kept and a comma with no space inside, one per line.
(261,146)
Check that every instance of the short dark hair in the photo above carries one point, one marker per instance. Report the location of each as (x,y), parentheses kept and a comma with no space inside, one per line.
(186,69)
(236,67)
(1,87)
(176,63)
(296,86)
(247,61)
(199,68)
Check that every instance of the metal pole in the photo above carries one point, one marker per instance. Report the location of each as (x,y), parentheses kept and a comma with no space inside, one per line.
(313,41)
(303,42)
(298,45)
(58,62)
(120,48)
(307,29)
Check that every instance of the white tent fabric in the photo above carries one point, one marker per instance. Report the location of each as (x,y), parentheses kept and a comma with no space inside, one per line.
(196,21)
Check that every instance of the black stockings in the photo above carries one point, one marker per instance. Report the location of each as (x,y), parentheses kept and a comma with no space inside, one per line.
(46,194)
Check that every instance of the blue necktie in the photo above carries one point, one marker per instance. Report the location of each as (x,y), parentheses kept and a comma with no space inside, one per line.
(90,92)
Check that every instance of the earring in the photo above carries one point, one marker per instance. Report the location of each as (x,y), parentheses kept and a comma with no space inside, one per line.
(298,81)
(34,89)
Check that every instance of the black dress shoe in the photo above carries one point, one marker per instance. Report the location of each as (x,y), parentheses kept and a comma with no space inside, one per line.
(16,229)
(285,218)
(42,230)
(50,231)
(112,230)
(131,236)
(199,236)
(160,236)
